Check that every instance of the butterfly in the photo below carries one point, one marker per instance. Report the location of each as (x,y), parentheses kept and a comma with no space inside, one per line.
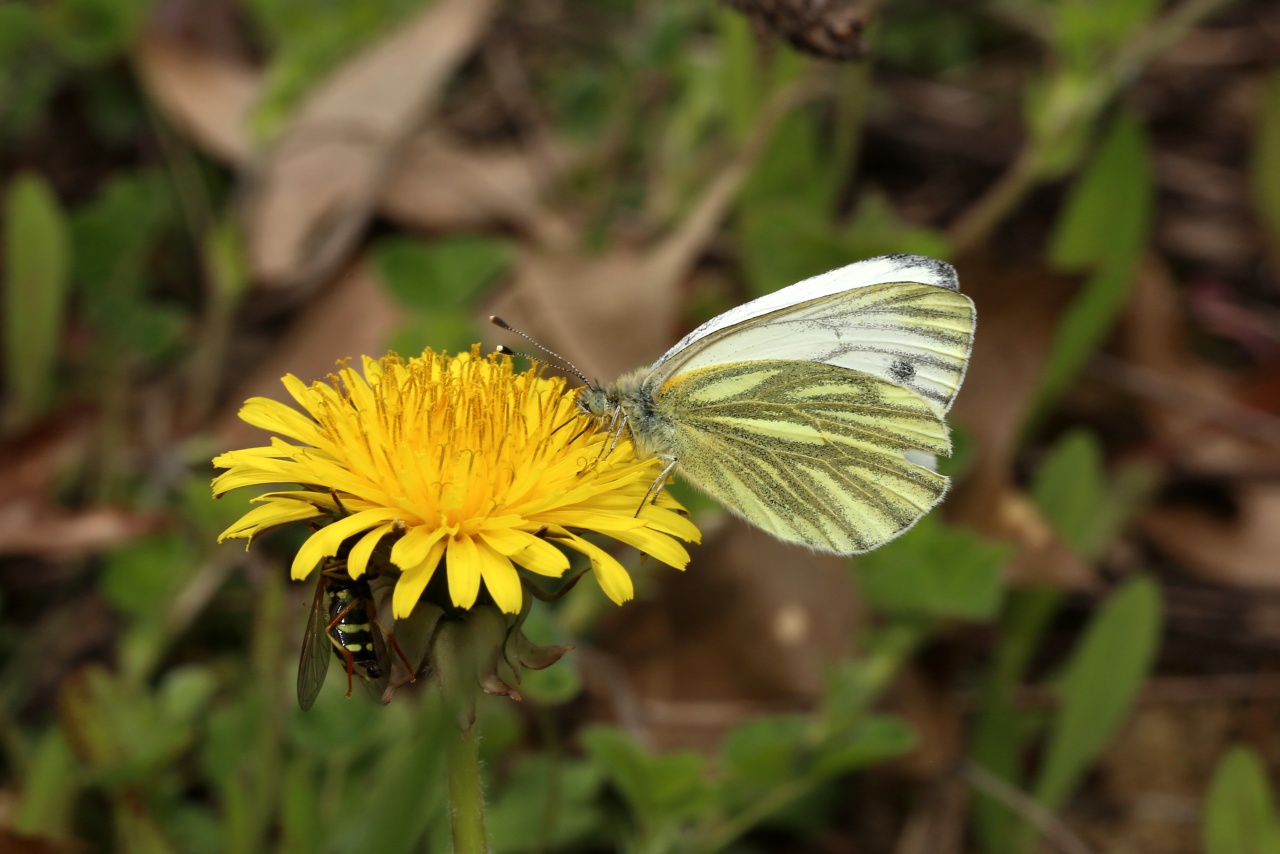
(813,412)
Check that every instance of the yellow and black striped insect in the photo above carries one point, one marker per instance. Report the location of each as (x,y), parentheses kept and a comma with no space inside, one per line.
(343,619)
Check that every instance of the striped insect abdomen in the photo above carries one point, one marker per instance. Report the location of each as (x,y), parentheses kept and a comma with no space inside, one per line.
(352,627)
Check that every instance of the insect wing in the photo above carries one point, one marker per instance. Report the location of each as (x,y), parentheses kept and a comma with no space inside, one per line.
(376,682)
(811,453)
(313,664)
(898,317)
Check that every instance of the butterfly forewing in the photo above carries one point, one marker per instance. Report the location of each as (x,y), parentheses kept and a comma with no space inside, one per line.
(812,453)
(911,334)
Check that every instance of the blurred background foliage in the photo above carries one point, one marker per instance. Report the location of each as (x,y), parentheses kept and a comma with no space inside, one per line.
(1079,654)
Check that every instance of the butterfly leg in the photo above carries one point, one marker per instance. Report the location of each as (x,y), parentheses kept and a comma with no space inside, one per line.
(655,488)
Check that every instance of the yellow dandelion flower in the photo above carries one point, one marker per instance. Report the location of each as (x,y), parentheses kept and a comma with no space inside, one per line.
(453,459)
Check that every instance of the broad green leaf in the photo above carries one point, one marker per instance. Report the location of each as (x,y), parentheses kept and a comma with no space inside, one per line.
(1083,330)
(1265,168)
(48,789)
(547,804)
(36,273)
(1071,490)
(139,578)
(764,751)
(1104,229)
(115,238)
(876,229)
(405,790)
(740,85)
(441,274)
(1100,685)
(1239,811)
(1107,218)
(935,571)
(662,790)
(876,739)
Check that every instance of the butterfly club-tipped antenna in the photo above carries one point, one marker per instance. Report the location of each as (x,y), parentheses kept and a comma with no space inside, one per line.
(564,364)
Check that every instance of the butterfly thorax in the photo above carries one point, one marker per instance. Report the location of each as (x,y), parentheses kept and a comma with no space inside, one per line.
(630,399)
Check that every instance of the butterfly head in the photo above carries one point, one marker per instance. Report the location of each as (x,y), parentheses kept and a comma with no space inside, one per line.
(597,401)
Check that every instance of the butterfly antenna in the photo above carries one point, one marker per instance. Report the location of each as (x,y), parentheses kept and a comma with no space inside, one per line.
(565,364)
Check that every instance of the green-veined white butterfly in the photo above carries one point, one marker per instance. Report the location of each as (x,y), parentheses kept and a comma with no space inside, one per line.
(811,412)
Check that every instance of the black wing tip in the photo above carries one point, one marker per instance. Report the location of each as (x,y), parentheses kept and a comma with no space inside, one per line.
(940,270)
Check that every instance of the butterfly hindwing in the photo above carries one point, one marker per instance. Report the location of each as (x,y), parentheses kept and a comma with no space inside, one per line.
(810,452)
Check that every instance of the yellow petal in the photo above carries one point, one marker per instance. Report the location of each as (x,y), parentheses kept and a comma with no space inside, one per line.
(415,580)
(326,542)
(612,576)
(533,553)
(268,516)
(464,571)
(413,548)
(358,560)
(500,579)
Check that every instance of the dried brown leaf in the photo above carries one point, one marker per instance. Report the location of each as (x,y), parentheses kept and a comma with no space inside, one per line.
(317,187)
(207,96)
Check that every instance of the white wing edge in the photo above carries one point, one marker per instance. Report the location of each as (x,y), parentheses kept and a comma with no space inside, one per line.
(860,274)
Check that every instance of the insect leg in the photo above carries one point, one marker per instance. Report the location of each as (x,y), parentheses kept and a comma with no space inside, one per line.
(655,488)
(391,638)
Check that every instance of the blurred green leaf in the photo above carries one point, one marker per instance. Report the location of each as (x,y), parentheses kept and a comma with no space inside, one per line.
(447,329)
(184,692)
(37,263)
(1087,33)
(139,578)
(301,822)
(92,32)
(404,791)
(29,73)
(547,804)
(935,571)
(1100,685)
(1239,811)
(198,826)
(876,229)
(1107,219)
(1070,489)
(740,84)
(1060,110)
(875,739)
(765,750)
(114,237)
(661,790)
(446,273)
(1265,168)
(48,789)
(124,736)
(310,40)
(19,27)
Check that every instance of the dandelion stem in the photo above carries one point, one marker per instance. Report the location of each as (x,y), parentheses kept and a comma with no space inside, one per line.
(466,796)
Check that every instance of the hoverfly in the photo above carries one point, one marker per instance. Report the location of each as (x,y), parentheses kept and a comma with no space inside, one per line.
(343,619)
